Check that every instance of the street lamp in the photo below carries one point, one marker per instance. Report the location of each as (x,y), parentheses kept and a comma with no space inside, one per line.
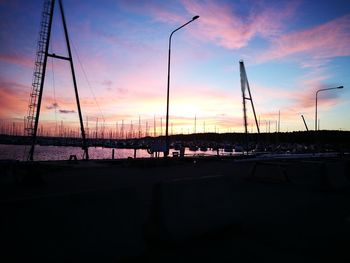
(167,95)
(340,87)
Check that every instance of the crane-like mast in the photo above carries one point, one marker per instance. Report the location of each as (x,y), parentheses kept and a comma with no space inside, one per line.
(244,87)
(40,71)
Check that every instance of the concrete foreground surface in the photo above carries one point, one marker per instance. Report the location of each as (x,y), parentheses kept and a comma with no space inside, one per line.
(176,210)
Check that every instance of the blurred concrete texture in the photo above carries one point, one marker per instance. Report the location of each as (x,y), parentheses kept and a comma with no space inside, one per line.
(176,210)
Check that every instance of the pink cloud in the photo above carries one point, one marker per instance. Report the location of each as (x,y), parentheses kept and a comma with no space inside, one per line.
(18,60)
(13,100)
(160,11)
(321,42)
(296,101)
(165,16)
(220,24)
(305,99)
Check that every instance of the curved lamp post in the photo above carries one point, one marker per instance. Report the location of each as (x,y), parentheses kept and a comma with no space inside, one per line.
(167,95)
(340,87)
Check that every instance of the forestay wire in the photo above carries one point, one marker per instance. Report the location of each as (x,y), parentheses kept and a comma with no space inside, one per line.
(87,80)
(54,93)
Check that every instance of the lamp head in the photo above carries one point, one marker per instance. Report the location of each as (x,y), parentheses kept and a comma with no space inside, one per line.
(195,17)
(340,87)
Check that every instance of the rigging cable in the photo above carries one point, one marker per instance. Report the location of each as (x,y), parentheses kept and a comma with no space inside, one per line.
(87,80)
(55,105)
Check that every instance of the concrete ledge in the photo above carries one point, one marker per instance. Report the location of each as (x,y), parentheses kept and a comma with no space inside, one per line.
(91,226)
(272,172)
(190,207)
(322,175)
(337,175)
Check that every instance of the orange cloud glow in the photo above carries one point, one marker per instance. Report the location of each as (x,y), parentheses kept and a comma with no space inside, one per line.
(13,100)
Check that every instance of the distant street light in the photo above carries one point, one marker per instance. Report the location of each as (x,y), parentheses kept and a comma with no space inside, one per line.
(167,95)
(340,87)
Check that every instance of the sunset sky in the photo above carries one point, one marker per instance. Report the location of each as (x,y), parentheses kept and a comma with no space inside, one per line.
(290,49)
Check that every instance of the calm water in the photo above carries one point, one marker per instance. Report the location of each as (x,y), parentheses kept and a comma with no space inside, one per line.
(44,153)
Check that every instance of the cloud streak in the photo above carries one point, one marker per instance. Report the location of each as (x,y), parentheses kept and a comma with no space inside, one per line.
(221,23)
(13,100)
(67,111)
(52,106)
(224,26)
(17,60)
(318,43)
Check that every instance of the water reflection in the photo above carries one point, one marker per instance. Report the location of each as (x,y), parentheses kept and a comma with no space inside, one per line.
(45,153)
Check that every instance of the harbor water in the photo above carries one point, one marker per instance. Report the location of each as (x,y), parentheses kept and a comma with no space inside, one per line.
(46,153)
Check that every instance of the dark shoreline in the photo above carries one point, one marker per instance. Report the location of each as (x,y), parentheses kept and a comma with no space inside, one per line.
(323,138)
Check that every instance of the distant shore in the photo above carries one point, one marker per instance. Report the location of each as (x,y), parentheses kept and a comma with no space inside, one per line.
(338,140)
